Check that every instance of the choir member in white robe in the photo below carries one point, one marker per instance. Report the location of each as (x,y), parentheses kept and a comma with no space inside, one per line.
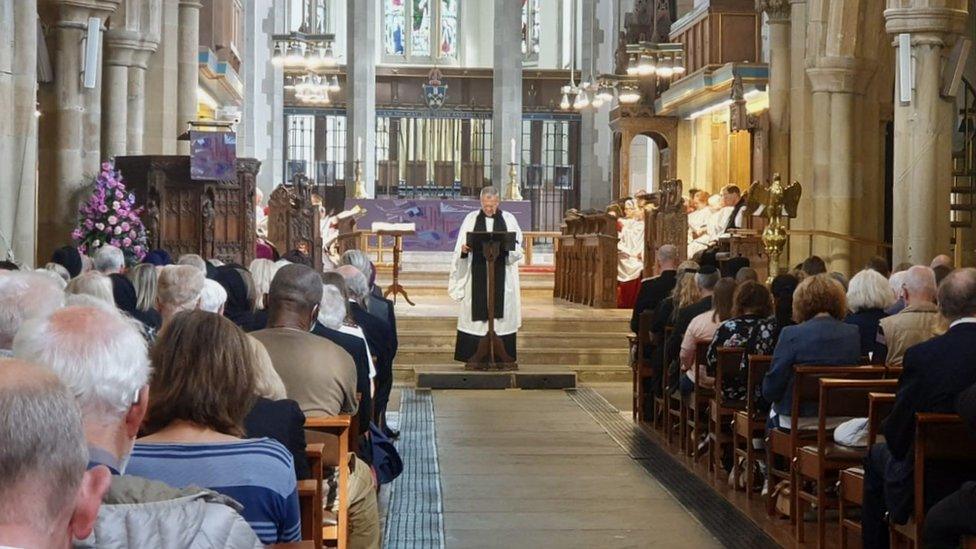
(468,283)
(630,255)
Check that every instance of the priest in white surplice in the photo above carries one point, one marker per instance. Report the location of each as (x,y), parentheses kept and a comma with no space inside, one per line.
(469,283)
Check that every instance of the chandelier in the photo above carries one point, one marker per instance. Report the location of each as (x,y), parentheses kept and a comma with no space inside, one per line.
(313,88)
(298,49)
(664,61)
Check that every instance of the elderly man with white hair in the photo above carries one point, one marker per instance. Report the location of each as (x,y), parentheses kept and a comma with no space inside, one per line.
(24,295)
(920,319)
(376,304)
(178,289)
(102,358)
(378,336)
(47,498)
(109,260)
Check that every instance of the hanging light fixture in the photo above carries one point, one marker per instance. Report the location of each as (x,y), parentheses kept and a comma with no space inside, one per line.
(604,94)
(334,84)
(679,67)
(582,100)
(629,95)
(632,69)
(564,103)
(278,57)
(646,65)
(666,69)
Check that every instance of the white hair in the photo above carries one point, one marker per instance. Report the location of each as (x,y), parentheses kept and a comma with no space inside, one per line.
(668,253)
(920,282)
(86,300)
(179,286)
(58,268)
(359,260)
(94,284)
(869,289)
(263,272)
(213,296)
(108,259)
(356,283)
(193,260)
(53,276)
(25,295)
(489,192)
(332,309)
(99,354)
(896,280)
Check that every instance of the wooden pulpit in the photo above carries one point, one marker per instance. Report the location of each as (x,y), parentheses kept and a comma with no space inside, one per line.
(214,219)
(293,222)
(491,353)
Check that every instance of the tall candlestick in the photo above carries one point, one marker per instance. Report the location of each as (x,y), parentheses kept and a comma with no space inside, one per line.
(359,148)
(513,150)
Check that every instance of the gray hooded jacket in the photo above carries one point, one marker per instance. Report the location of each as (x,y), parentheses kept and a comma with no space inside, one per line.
(140,513)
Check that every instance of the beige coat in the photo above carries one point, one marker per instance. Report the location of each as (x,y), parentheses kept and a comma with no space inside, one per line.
(913,325)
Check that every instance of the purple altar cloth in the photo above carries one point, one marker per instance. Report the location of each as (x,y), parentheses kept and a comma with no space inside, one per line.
(437,221)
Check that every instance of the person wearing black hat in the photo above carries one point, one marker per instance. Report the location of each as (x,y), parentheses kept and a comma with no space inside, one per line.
(69,258)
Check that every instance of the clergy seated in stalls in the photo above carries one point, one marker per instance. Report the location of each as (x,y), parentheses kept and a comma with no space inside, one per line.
(321,377)
(702,329)
(868,295)
(24,296)
(202,388)
(955,516)
(630,254)
(655,289)
(751,328)
(49,498)
(820,337)
(705,279)
(706,225)
(468,283)
(101,356)
(918,321)
(935,373)
(273,415)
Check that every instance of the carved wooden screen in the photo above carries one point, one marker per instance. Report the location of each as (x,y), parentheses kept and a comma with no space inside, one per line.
(293,222)
(666,224)
(212,218)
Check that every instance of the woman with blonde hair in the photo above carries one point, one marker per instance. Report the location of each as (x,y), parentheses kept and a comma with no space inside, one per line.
(263,272)
(92,283)
(868,295)
(144,278)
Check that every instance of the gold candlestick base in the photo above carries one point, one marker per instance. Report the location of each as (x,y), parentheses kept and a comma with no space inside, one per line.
(514,193)
(360,190)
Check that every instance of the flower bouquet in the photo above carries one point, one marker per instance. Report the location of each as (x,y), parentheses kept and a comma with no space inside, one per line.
(110,216)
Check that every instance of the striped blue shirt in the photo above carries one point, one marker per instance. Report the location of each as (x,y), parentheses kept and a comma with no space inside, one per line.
(258,473)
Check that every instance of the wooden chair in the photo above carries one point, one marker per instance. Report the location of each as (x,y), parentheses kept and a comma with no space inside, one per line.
(720,409)
(675,406)
(821,464)
(333,435)
(940,440)
(781,446)
(749,424)
(696,405)
(850,492)
(641,365)
(660,413)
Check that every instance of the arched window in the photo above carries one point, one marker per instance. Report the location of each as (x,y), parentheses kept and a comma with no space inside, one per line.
(531,24)
(420,31)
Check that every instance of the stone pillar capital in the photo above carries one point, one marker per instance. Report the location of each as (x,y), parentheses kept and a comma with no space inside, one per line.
(938,16)
(128,48)
(834,75)
(191,4)
(778,11)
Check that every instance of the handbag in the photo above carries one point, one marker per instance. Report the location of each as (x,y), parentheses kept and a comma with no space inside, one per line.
(386,459)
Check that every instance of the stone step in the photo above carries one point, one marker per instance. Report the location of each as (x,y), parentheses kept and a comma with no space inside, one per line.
(423,280)
(565,356)
(568,326)
(527,339)
(408,374)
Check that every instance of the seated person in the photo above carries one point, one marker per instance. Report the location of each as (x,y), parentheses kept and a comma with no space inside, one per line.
(203,386)
(782,289)
(751,328)
(653,290)
(630,254)
(101,356)
(706,279)
(702,330)
(919,319)
(868,295)
(686,292)
(935,373)
(820,337)
(49,498)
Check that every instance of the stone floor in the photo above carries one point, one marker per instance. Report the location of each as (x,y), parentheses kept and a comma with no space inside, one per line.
(532,469)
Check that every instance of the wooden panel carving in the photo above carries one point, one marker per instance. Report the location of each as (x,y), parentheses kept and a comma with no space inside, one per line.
(293,222)
(665,222)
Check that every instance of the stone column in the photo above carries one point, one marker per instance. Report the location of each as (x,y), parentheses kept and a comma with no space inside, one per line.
(923,130)
(259,133)
(801,155)
(115,99)
(778,15)
(506,98)
(189,71)
(833,185)
(136,104)
(361,20)
(66,156)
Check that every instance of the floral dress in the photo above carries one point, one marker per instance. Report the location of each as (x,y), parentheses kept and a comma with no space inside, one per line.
(755,334)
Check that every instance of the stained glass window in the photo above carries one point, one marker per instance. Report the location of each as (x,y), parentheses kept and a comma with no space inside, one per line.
(394,27)
(420,28)
(449,27)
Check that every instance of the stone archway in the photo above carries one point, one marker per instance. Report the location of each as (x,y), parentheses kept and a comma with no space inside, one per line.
(650,158)
(662,130)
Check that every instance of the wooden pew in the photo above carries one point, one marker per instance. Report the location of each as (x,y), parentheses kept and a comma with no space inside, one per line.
(820,464)
(333,434)
(697,406)
(939,438)
(720,409)
(750,423)
(783,445)
(676,407)
(660,417)
(641,367)
(851,481)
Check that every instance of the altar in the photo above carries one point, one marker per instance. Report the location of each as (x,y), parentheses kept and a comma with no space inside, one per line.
(437,221)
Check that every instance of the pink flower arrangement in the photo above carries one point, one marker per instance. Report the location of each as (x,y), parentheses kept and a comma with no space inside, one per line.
(110,216)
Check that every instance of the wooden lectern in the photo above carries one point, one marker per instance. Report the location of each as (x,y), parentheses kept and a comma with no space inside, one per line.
(491,353)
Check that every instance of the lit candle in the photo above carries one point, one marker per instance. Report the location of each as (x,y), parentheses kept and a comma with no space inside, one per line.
(359,148)
(513,150)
